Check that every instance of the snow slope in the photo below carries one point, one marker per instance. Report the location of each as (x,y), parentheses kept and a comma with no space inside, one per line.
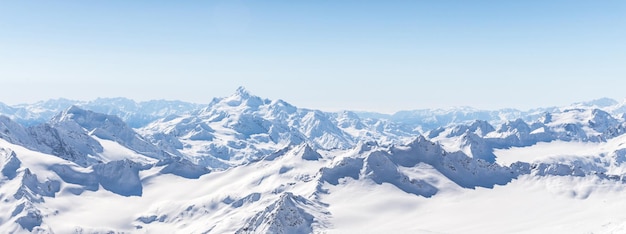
(290,194)
(245,164)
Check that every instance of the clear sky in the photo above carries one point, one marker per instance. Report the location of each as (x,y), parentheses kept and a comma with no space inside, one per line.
(331,55)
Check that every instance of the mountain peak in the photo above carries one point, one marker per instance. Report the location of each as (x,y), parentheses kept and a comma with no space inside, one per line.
(242,92)
(68,113)
(289,214)
(242,96)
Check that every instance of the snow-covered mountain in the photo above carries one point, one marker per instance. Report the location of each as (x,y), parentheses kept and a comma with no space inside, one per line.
(245,164)
(242,127)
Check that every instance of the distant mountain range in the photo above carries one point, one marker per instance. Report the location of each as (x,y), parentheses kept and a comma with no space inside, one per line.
(140,114)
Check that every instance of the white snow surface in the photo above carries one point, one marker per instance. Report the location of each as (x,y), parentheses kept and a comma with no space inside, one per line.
(248,198)
(244,164)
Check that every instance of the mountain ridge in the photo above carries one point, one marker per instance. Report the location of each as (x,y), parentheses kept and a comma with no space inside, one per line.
(129,110)
(268,166)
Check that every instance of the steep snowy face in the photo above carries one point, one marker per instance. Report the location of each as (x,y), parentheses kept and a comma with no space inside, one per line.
(585,125)
(478,139)
(13,132)
(80,136)
(23,195)
(106,127)
(183,168)
(415,168)
(368,129)
(242,98)
(68,141)
(24,208)
(289,214)
(478,127)
(348,119)
(602,121)
(9,163)
(477,147)
(515,127)
(481,128)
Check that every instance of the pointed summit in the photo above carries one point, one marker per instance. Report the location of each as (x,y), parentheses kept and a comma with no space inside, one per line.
(305,152)
(68,114)
(242,92)
(289,214)
(242,96)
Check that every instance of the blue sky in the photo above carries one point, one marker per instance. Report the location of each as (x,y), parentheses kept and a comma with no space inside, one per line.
(331,55)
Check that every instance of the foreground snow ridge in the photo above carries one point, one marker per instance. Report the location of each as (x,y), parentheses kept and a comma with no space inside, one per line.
(245,164)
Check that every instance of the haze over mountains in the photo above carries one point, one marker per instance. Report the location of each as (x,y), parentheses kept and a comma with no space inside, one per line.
(245,164)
